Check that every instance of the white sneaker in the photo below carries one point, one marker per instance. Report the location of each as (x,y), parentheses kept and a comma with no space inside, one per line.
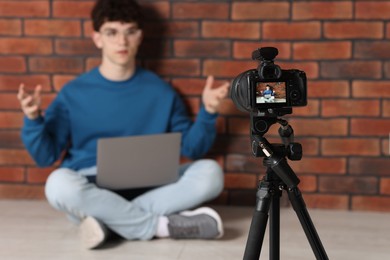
(201,223)
(92,232)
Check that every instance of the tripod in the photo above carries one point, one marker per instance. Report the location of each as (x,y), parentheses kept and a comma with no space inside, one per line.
(279,176)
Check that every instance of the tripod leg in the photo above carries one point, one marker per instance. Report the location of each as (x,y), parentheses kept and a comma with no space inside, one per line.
(299,206)
(274,226)
(259,223)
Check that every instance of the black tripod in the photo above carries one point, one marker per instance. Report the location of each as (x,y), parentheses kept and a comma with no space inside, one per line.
(279,176)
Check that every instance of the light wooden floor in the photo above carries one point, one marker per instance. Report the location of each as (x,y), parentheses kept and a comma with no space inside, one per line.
(32,230)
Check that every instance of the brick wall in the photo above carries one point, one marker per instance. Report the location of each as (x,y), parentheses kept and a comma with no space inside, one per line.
(343,46)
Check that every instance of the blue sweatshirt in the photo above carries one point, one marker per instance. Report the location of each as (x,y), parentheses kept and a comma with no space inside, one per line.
(92,107)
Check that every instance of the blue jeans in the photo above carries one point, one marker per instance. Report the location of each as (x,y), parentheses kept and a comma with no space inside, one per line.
(71,191)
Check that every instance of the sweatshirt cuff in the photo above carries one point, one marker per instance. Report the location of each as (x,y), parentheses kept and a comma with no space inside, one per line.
(206,116)
(34,122)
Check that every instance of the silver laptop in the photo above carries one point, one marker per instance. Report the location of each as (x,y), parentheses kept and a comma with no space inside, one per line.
(138,161)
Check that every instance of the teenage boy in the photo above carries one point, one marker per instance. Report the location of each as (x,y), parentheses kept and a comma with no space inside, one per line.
(119,98)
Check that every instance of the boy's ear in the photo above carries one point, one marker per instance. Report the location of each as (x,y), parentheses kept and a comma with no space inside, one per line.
(97,39)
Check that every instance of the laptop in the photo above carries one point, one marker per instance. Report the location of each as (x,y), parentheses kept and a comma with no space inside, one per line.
(138,161)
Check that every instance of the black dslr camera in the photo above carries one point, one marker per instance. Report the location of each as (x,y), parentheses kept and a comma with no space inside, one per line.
(269,90)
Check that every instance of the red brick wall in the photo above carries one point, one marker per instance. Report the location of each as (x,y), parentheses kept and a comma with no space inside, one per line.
(343,46)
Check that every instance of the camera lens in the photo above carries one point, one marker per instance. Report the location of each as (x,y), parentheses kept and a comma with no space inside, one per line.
(240,92)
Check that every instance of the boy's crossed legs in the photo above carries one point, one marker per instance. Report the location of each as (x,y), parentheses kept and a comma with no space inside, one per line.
(152,214)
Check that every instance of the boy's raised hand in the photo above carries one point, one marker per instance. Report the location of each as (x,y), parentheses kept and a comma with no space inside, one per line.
(30,103)
(212,97)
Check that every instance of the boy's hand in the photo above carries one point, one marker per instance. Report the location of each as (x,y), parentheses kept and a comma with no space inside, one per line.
(212,97)
(30,103)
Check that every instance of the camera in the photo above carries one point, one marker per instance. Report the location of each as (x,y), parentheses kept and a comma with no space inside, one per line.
(269,88)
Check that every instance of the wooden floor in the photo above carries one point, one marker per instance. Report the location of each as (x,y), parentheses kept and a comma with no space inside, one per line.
(33,230)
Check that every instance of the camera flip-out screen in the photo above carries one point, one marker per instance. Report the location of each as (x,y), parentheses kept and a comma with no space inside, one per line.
(271,92)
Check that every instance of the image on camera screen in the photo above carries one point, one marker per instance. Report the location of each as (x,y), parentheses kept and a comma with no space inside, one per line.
(270,92)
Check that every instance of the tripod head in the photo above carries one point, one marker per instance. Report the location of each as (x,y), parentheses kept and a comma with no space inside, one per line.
(275,154)
(260,126)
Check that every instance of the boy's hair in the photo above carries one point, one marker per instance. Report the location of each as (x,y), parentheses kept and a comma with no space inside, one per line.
(127,11)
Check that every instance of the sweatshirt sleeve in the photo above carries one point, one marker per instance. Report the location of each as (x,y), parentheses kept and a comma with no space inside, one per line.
(198,136)
(47,136)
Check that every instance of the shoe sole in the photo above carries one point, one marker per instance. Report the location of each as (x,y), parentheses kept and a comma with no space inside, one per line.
(207,211)
(92,233)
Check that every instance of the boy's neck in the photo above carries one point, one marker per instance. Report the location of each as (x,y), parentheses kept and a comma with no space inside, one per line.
(116,72)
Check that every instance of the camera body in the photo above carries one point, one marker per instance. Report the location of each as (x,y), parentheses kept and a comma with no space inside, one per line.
(268,86)
(288,90)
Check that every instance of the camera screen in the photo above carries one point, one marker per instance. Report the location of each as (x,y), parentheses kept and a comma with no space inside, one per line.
(270,92)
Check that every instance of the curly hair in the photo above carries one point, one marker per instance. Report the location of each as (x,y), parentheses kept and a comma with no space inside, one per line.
(116,10)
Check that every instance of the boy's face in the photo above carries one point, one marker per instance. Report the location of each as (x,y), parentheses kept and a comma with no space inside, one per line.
(119,42)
